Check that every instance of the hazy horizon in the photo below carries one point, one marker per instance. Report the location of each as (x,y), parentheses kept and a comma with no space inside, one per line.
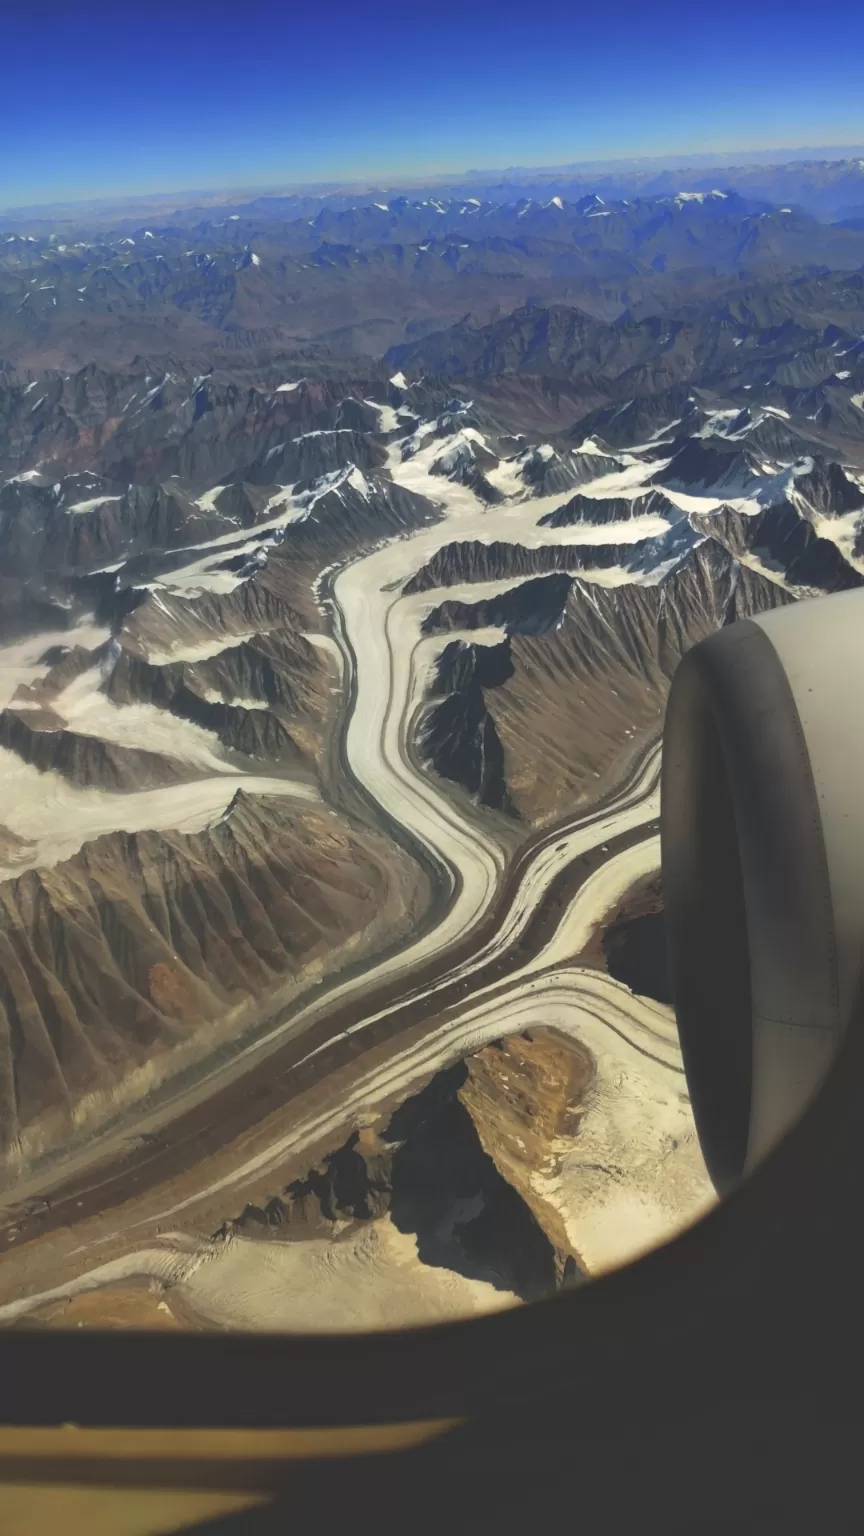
(219,192)
(195,100)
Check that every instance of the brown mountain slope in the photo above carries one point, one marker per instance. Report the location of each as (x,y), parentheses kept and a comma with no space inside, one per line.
(536,724)
(597,685)
(147,950)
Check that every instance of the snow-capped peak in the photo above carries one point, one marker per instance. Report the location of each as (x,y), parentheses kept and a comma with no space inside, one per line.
(698,197)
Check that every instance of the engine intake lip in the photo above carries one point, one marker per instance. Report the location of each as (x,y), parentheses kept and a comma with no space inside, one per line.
(748,900)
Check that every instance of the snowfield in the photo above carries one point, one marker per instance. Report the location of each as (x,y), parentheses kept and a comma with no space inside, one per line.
(55,818)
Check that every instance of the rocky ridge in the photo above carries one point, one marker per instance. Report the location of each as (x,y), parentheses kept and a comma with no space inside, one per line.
(146,950)
(454,1166)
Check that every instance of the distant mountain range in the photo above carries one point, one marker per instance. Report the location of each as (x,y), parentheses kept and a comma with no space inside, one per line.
(359,280)
(800,161)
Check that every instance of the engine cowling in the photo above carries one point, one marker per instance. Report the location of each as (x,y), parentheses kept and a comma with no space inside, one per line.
(762,830)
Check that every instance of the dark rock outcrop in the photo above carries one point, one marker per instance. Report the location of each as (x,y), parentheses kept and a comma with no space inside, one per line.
(531,608)
(87,760)
(452,1167)
(472,560)
(783,541)
(567,703)
(634,942)
(704,463)
(594,510)
(635,949)
(662,416)
(302,460)
(458,738)
(463,665)
(829,490)
(83,522)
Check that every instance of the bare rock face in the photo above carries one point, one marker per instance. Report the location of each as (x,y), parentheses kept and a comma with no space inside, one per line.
(459,739)
(829,490)
(83,521)
(463,665)
(454,1166)
(313,454)
(661,414)
(700,463)
(634,942)
(523,1095)
(281,669)
(41,740)
(276,569)
(266,698)
(165,621)
(529,609)
(596,687)
(546,472)
(248,695)
(142,942)
(595,510)
(263,687)
(784,541)
(26,607)
(567,701)
(472,560)
(446,1166)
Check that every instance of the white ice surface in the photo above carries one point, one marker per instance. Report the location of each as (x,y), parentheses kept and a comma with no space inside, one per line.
(19,662)
(91,504)
(143,726)
(199,650)
(371,1279)
(57,817)
(388,420)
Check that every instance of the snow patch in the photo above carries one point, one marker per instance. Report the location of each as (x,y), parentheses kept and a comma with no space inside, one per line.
(55,817)
(388,421)
(698,197)
(80,508)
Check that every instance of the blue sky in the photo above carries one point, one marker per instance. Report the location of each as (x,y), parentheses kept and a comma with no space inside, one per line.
(102,99)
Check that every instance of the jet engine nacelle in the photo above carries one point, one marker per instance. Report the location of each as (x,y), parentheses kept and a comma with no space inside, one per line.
(763,866)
